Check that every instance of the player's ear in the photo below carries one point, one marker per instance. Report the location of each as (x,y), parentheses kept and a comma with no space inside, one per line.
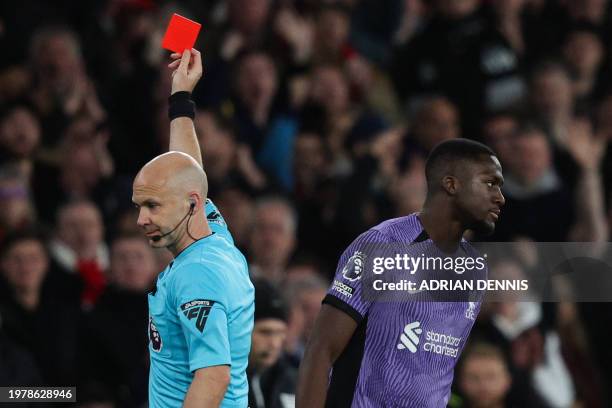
(450,184)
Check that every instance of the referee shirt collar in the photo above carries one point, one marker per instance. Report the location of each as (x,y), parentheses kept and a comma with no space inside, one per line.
(189,248)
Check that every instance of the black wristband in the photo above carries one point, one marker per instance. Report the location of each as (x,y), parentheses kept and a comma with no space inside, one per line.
(180,104)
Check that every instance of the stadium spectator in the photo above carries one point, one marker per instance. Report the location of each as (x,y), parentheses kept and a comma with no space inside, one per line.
(531,181)
(583,52)
(593,11)
(272,380)
(435,121)
(87,175)
(218,146)
(498,131)
(62,90)
(262,122)
(603,130)
(331,35)
(34,315)
(483,377)
(230,163)
(536,351)
(247,26)
(509,23)
(295,35)
(305,294)
(238,209)
(19,138)
(79,248)
(552,98)
(344,123)
(528,333)
(375,27)
(273,238)
(314,191)
(460,54)
(113,345)
(310,164)
(363,196)
(16,207)
(408,190)
(18,368)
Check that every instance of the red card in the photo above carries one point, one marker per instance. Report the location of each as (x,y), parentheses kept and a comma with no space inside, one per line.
(181,34)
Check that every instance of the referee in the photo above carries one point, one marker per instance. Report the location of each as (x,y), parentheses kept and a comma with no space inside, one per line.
(201,310)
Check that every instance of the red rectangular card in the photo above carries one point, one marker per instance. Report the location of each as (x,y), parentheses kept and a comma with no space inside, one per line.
(181,34)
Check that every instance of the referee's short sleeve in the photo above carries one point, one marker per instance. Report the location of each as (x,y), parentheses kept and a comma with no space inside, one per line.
(216,222)
(201,305)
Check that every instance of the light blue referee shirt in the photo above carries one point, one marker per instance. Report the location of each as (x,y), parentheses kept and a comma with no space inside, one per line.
(201,315)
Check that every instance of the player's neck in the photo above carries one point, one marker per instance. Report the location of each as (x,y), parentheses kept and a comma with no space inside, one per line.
(441,226)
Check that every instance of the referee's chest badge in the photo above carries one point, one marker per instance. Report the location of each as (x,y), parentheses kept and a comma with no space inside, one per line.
(154,337)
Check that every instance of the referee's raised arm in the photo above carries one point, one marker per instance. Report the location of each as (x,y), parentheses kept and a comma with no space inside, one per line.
(187,71)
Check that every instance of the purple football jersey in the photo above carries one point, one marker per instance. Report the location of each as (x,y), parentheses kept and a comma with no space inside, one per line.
(403,353)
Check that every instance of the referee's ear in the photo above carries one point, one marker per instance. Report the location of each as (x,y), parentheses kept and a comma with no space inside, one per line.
(195,202)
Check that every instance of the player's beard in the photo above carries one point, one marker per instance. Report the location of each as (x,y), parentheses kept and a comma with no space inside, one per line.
(476,221)
(482,228)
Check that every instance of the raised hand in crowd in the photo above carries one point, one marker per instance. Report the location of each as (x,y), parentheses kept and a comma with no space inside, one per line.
(586,146)
(297,31)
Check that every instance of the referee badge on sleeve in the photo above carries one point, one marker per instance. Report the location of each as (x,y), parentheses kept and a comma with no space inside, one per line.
(215,217)
(198,310)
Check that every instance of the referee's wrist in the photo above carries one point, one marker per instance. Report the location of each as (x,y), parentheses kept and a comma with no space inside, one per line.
(180,105)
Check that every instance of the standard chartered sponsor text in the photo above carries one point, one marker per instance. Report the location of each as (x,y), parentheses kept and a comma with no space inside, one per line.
(442,344)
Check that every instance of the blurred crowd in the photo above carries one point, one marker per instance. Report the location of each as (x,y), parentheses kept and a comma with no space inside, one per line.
(315,118)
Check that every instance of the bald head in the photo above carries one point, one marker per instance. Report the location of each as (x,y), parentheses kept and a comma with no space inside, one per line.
(176,172)
(170,195)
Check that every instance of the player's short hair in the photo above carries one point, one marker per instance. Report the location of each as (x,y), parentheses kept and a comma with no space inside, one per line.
(20,103)
(42,35)
(527,128)
(482,349)
(336,7)
(293,289)
(17,237)
(247,53)
(548,66)
(279,200)
(445,157)
(72,203)
(269,303)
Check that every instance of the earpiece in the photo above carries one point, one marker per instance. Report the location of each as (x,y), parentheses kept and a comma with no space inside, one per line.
(192,205)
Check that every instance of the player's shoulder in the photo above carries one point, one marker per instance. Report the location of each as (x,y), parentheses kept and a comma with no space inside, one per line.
(395,230)
(469,248)
(400,229)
